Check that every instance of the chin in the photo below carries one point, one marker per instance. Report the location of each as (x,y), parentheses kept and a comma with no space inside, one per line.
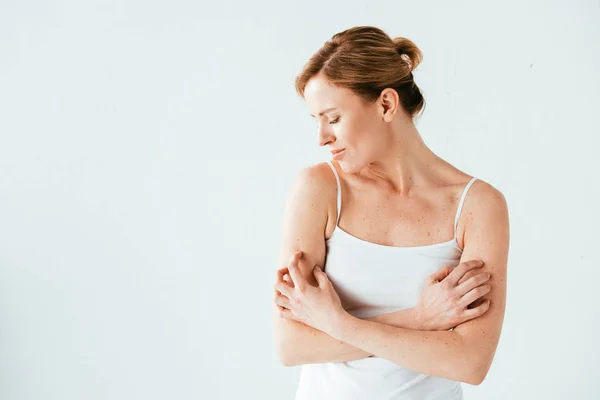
(348,167)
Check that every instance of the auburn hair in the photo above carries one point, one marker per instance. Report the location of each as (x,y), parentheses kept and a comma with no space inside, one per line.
(366,60)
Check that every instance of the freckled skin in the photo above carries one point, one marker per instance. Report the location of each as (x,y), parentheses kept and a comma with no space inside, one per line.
(387,164)
(397,192)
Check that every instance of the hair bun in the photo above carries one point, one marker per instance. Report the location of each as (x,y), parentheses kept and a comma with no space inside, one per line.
(409,52)
(352,59)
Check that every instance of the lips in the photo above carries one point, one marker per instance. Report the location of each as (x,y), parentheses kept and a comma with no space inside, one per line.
(337,154)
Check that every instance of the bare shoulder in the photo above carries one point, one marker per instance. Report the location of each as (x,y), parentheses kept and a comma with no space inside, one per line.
(317,178)
(481,200)
(483,197)
(306,215)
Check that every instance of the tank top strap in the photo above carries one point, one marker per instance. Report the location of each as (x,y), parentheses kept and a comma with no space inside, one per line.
(460,204)
(339,191)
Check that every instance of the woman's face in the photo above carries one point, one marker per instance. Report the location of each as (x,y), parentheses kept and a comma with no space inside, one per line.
(347,123)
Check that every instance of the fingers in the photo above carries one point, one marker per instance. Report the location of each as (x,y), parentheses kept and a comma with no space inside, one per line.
(471,283)
(282,275)
(477,311)
(474,295)
(295,273)
(283,291)
(284,288)
(440,274)
(289,277)
(468,275)
(284,313)
(281,278)
(462,268)
(282,301)
(321,276)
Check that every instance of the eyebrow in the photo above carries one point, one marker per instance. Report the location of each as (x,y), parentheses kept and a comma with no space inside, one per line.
(324,111)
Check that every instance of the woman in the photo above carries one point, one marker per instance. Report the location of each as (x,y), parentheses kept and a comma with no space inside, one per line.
(399,310)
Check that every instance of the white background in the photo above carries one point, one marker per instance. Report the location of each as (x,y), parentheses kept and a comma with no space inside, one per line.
(147,149)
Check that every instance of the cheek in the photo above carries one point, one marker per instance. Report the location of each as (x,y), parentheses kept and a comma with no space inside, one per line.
(351,132)
(358,137)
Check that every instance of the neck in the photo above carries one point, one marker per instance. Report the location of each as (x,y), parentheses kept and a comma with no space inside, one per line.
(405,161)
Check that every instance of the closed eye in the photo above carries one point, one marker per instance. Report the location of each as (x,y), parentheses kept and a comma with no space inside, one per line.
(335,121)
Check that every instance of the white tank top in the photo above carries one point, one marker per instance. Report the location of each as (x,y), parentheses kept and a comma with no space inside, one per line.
(373,279)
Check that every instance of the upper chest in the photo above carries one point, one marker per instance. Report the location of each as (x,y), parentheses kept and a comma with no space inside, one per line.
(424,217)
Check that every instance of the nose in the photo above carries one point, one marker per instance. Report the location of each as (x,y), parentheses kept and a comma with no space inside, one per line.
(323,137)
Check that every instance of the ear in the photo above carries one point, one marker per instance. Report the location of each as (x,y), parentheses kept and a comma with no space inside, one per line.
(390,102)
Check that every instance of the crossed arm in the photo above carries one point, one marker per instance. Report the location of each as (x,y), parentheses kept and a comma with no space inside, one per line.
(464,354)
(307,345)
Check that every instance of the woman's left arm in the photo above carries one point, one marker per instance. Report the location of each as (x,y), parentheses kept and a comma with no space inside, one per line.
(464,354)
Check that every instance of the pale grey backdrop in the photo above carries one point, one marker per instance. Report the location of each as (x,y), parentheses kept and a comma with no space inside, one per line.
(147,149)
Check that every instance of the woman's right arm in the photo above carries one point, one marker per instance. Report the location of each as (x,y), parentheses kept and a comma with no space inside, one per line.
(304,222)
(306,345)
(315,346)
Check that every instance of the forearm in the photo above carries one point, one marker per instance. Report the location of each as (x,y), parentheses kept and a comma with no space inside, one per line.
(307,345)
(436,353)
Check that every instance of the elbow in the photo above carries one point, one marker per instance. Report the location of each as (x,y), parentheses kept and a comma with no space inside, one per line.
(285,357)
(477,376)
(471,369)
(284,347)
(287,362)
(475,380)
(290,340)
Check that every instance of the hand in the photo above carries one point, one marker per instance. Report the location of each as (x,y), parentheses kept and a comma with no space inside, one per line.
(443,305)
(317,306)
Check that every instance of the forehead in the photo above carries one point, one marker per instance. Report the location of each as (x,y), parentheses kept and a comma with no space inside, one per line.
(320,94)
